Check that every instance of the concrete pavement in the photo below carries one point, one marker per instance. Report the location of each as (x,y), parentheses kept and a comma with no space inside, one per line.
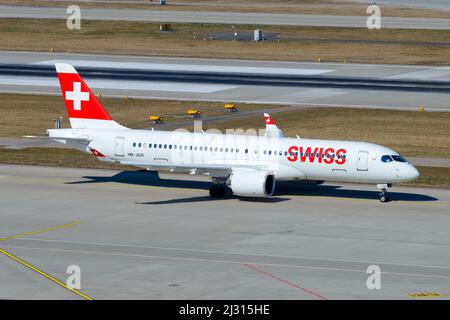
(144,237)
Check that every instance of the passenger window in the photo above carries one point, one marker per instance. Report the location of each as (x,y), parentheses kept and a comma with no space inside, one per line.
(134,144)
(386,158)
(246,150)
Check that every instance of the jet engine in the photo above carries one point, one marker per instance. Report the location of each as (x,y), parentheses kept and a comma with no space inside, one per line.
(252,183)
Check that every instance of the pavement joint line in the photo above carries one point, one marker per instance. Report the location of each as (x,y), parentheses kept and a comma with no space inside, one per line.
(33,268)
(271,275)
(236,253)
(42,273)
(230,262)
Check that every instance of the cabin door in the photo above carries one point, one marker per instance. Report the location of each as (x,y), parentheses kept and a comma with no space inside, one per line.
(363,157)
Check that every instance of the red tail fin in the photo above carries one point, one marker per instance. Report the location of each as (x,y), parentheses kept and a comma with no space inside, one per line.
(83,108)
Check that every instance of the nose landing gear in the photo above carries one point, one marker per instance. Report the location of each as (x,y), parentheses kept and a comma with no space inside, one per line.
(384,197)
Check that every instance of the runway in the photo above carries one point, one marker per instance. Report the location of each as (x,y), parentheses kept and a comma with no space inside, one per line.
(246,81)
(426,4)
(232,78)
(223,17)
(137,236)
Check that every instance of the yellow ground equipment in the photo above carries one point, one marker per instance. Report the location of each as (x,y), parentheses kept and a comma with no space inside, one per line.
(231,107)
(156,119)
(194,113)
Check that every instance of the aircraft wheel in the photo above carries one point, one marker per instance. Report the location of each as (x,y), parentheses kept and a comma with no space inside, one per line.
(384,197)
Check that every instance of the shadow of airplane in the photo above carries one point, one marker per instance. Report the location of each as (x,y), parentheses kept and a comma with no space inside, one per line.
(209,199)
(283,189)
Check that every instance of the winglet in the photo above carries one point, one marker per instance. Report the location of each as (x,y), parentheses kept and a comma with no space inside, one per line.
(268,120)
(271,127)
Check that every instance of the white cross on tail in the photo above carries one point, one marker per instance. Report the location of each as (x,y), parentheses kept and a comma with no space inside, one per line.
(77,96)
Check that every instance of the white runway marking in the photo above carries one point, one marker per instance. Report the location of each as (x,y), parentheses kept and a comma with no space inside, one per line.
(120,84)
(442,73)
(187,67)
(308,95)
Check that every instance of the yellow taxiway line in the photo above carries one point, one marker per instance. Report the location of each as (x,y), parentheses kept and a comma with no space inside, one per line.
(41,231)
(31,267)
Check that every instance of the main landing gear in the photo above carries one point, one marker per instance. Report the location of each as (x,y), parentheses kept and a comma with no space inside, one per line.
(217,190)
(384,197)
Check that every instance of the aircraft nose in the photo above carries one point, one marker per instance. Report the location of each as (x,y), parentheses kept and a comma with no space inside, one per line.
(412,173)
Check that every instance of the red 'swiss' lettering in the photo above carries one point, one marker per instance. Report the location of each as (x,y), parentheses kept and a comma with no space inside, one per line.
(320,155)
(292,154)
(328,155)
(323,155)
(340,156)
(304,153)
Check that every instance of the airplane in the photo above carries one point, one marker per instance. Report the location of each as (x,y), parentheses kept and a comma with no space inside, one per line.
(248,165)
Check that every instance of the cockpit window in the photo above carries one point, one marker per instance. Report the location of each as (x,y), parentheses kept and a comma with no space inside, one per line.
(398,158)
(386,158)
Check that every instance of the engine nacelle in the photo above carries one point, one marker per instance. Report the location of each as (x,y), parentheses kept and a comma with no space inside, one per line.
(252,183)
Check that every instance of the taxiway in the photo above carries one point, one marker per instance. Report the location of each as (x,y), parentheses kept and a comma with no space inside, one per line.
(140,236)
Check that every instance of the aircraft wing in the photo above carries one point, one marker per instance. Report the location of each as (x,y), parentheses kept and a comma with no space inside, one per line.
(215,170)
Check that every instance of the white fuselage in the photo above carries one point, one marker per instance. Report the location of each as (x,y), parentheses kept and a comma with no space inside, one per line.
(286,158)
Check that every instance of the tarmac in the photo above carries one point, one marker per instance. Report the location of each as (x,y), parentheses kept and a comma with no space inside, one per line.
(135,235)
(224,17)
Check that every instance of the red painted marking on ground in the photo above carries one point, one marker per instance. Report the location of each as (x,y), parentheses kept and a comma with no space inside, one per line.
(285,281)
